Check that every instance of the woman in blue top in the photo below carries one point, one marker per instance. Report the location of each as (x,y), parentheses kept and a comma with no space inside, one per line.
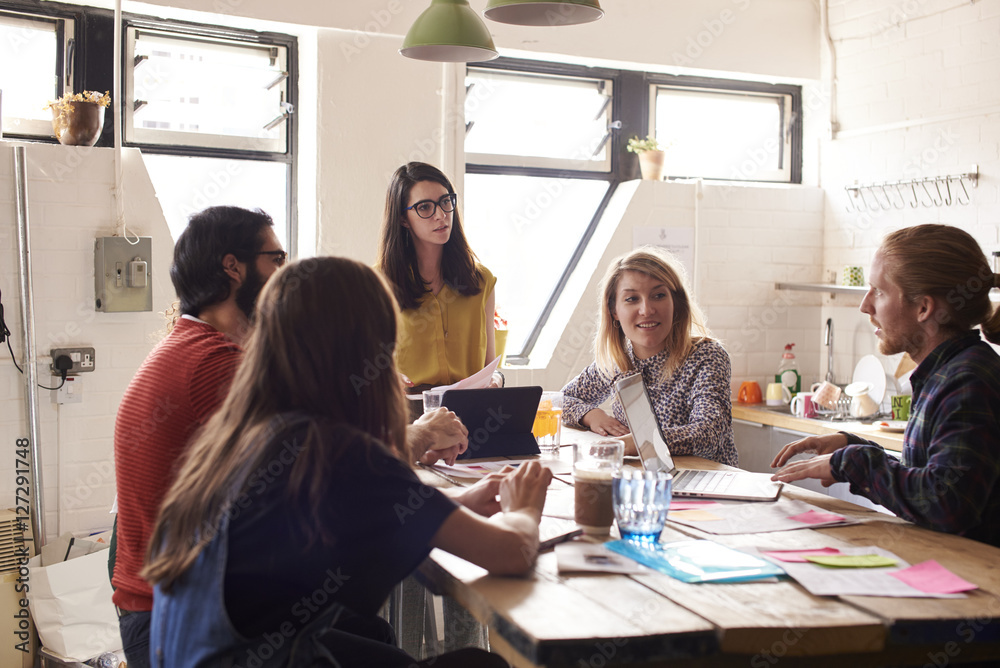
(648,324)
(295,512)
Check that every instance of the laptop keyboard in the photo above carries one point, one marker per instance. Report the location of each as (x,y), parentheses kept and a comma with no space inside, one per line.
(703,481)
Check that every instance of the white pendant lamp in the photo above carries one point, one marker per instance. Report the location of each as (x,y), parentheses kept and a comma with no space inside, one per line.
(543,12)
(449,31)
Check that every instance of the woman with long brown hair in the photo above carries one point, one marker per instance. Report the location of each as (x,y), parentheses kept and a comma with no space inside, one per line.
(648,323)
(294,513)
(446,296)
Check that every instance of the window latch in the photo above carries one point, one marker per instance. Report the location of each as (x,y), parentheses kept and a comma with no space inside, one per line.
(613,125)
(287,110)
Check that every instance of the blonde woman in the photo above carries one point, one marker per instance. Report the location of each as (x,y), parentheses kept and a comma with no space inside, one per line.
(649,324)
(293,515)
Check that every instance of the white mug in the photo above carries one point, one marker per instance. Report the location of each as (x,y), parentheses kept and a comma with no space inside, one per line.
(862,404)
(802,405)
(778,394)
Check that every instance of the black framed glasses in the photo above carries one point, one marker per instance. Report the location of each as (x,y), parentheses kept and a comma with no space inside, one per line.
(279,256)
(425,208)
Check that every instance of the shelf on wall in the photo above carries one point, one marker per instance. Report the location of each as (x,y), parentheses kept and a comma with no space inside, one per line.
(823,287)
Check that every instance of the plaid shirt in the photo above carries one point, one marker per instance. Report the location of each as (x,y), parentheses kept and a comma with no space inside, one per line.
(949,476)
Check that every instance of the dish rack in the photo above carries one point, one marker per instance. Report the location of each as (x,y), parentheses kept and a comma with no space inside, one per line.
(841,412)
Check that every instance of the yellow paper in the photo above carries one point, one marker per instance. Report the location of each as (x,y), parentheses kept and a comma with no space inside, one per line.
(851,560)
(694,516)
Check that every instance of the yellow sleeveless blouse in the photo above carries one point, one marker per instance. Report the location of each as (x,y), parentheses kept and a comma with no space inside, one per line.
(443,340)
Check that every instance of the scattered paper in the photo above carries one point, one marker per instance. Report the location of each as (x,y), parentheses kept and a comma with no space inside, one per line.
(694,516)
(577,556)
(933,578)
(559,503)
(677,504)
(853,561)
(799,556)
(817,517)
(476,381)
(757,517)
(822,581)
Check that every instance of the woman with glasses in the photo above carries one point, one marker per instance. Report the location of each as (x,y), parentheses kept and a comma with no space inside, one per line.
(445,295)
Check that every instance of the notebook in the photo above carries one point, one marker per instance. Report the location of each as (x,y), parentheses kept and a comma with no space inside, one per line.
(655,455)
(499,420)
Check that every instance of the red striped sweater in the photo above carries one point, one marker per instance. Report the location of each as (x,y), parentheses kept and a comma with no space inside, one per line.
(179,386)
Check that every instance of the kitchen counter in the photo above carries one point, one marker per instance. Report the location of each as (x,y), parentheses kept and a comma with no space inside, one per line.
(781,418)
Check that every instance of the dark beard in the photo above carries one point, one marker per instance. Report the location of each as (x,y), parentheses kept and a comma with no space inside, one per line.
(246,294)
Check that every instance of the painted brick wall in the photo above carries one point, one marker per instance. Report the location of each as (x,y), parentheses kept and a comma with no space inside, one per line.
(919,96)
(69,205)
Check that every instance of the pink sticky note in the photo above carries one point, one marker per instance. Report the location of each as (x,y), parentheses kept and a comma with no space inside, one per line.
(933,578)
(816,517)
(693,505)
(799,556)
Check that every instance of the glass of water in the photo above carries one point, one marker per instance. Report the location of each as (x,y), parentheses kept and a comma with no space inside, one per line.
(432,399)
(641,501)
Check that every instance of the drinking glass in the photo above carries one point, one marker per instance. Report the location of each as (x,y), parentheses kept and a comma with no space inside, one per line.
(548,423)
(641,501)
(432,399)
(594,466)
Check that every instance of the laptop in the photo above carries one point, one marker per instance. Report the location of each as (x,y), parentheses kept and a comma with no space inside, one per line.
(499,420)
(655,455)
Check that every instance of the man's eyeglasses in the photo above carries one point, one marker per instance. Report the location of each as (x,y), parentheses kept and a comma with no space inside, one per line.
(279,256)
(425,208)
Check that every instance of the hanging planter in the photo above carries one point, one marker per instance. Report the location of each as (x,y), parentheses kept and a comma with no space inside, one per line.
(77,119)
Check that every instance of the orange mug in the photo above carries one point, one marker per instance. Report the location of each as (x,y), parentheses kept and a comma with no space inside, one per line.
(749,393)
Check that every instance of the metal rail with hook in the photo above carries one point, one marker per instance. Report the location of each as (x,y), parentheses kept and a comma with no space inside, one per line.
(912,193)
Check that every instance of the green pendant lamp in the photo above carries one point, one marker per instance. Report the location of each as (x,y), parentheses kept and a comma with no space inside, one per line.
(543,12)
(449,31)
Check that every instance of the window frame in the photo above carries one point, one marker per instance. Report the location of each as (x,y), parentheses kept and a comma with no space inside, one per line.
(632,104)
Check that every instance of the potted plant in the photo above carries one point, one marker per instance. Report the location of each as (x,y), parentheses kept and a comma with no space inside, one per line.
(78,118)
(650,156)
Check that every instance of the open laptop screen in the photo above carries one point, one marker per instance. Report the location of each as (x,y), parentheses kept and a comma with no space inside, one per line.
(642,423)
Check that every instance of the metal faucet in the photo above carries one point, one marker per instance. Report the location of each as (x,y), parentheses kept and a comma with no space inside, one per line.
(828,342)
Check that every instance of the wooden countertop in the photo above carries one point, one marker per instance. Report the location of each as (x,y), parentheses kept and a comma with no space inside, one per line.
(781,418)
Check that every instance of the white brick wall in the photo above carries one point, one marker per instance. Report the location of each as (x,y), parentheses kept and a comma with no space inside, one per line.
(69,191)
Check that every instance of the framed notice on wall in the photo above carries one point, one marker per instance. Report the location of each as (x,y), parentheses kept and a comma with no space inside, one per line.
(677,240)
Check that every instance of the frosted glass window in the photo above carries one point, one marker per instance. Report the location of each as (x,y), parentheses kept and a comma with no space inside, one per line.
(731,135)
(537,120)
(204,92)
(525,230)
(34,82)
(185,185)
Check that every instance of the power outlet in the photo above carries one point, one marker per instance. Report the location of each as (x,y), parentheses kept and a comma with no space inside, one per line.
(83,360)
(71,391)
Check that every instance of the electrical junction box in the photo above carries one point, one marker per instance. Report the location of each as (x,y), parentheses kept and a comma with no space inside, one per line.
(122,280)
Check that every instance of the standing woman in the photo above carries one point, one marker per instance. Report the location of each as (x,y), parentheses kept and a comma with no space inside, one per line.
(650,325)
(446,297)
(292,516)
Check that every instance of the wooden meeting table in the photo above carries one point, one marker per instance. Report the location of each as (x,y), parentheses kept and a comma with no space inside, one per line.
(596,620)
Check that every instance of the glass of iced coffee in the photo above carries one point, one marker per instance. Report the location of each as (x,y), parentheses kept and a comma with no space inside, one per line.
(594,466)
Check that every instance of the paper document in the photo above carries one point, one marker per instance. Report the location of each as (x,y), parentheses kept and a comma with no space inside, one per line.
(781,515)
(580,557)
(476,381)
(824,581)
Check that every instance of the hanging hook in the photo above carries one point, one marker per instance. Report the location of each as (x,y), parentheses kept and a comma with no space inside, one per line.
(947,186)
(851,207)
(961,182)
(923,182)
(868,207)
(916,201)
(937,185)
(899,194)
(888,201)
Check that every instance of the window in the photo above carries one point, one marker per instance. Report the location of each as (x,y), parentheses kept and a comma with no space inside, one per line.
(211,110)
(745,133)
(545,152)
(36,44)
(539,170)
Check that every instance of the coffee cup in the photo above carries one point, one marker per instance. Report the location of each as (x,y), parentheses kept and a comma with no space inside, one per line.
(901,406)
(853,276)
(802,405)
(749,393)
(778,394)
(825,394)
(594,467)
